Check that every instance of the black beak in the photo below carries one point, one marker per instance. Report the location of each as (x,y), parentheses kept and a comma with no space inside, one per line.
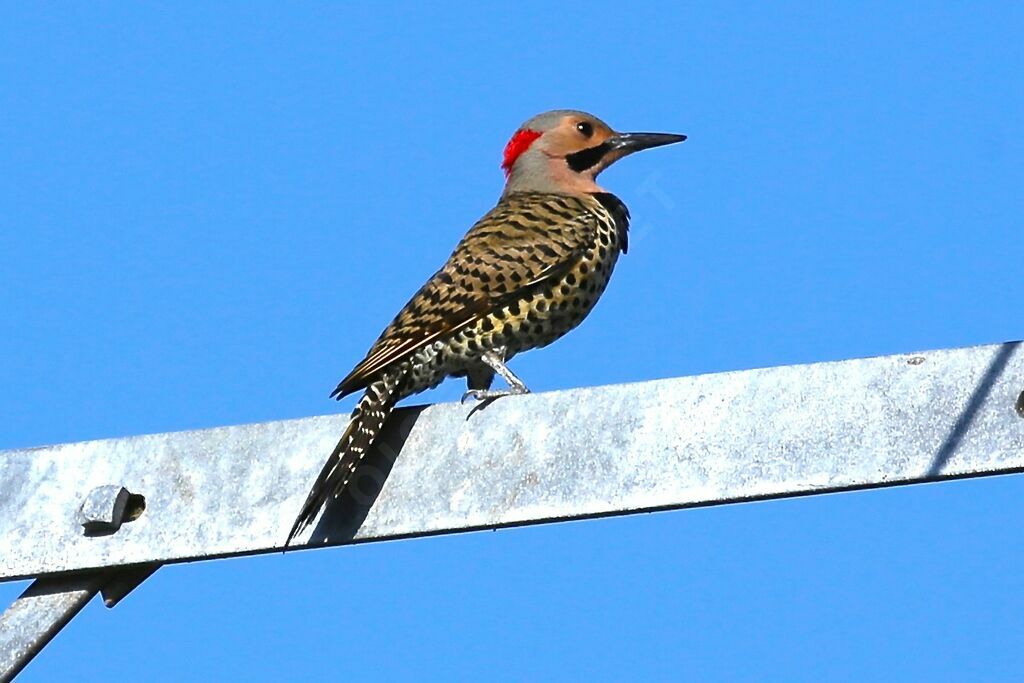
(634,142)
(616,147)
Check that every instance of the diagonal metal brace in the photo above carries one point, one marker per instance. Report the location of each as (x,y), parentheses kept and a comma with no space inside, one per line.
(48,604)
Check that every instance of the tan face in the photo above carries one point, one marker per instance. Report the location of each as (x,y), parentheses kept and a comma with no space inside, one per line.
(573,133)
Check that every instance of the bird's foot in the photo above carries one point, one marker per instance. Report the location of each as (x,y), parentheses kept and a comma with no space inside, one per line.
(495,359)
(491,394)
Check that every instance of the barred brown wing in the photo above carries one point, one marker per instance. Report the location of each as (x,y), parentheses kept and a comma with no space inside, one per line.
(527,240)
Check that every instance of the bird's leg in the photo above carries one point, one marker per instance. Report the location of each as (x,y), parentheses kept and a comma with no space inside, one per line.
(495,359)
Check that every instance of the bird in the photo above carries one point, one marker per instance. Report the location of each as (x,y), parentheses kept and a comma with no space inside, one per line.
(524,275)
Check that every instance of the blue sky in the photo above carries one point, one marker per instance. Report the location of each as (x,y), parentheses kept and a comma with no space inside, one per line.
(211,212)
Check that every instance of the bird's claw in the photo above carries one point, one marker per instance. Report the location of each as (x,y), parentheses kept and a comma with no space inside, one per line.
(490,395)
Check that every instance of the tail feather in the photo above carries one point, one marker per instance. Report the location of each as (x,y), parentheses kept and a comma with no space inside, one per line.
(367,420)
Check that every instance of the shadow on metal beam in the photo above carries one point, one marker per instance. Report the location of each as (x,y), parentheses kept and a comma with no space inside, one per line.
(981,392)
(345,514)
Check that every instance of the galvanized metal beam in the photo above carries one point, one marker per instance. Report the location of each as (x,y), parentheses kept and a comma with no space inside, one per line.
(46,606)
(104,515)
(39,614)
(570,454)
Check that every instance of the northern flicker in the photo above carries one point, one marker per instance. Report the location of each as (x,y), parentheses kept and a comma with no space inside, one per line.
(528,272)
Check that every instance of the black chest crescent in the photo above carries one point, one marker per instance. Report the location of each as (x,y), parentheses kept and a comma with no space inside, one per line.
(619,213)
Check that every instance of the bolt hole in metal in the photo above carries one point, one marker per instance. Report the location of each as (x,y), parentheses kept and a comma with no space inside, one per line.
(134,508)
(1019,407)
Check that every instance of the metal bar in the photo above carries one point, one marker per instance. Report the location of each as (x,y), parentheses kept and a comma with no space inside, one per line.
(46,607)
(125,581)
(39,614)
(566,455)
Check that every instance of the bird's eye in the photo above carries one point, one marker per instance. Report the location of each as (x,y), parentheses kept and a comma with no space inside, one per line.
(585,128)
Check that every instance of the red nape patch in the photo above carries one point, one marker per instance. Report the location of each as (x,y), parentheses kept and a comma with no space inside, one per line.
(519,143)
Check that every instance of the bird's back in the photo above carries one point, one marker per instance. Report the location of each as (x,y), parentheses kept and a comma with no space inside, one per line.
(525,274)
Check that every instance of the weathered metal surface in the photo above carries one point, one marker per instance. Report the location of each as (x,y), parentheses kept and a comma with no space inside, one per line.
(586,452)
(38,615)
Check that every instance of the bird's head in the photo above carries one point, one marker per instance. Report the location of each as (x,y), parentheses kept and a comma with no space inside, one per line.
(563,151)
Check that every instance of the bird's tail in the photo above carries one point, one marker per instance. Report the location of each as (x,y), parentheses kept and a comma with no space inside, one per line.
(367,420)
